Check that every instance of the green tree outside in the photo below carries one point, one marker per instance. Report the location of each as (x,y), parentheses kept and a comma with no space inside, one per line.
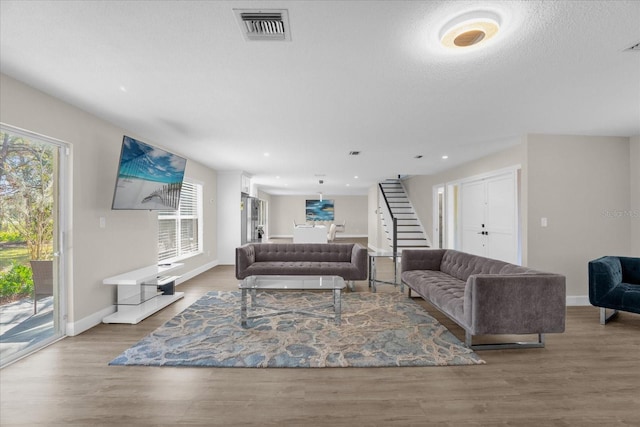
(26,211)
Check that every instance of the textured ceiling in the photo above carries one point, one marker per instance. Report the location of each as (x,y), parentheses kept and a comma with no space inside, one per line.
(357,75)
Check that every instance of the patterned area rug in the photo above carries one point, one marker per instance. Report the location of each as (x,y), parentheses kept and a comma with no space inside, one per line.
(381,329)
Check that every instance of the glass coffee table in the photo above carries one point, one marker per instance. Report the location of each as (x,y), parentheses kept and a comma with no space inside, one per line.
(252,284)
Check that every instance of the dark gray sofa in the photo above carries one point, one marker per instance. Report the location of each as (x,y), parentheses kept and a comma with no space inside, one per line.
(347,260)
(486,296)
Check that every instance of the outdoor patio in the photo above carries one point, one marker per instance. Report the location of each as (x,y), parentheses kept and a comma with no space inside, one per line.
(19,327)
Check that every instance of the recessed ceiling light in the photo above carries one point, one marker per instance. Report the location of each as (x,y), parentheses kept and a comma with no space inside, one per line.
(355,177)
(266,154)
(445,157)
(470,29)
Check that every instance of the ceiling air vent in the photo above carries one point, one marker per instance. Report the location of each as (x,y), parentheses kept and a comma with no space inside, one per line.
(264,24)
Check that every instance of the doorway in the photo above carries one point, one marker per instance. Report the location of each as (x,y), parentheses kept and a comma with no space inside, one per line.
(31,308)
(480,215)
(439,219)
(489,217)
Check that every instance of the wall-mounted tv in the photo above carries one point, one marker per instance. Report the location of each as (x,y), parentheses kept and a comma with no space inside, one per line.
(149,178)
(319,210)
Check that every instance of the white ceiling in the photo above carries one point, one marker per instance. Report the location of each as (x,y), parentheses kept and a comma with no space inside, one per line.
(357,75)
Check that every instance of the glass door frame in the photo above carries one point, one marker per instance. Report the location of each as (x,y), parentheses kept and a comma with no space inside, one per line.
(61,215)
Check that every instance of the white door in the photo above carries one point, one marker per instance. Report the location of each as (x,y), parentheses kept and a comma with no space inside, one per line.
(501,211)
(489,217)
(473,203)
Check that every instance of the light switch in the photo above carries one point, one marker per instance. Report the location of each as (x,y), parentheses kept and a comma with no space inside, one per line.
(103,222)
(543,222)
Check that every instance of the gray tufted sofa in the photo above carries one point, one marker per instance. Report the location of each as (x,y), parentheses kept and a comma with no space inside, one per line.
(347,260)
(486,296)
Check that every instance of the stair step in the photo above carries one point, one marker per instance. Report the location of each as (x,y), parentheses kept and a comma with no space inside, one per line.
(408,215)
(404,219)
(401,238)
(411,244)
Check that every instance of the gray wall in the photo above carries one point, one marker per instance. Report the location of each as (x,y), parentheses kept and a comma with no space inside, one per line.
(283,210)
(582,185)
(129,240)
(634,165)
(377,239)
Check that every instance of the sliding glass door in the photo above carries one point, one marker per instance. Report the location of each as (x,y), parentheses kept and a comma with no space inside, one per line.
(31,273)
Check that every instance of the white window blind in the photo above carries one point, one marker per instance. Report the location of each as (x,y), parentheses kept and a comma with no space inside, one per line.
(179,231)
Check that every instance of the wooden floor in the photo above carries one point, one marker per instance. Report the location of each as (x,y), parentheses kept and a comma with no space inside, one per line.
(589,375)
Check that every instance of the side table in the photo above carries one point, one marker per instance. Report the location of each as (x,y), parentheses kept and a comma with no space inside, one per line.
(373,281)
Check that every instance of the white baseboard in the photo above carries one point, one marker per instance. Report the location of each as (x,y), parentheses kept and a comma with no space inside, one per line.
(84,324)
(76,328)
(193,273)
(578,300)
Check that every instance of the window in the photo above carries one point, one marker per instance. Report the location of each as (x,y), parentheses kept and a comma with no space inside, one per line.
(180,231)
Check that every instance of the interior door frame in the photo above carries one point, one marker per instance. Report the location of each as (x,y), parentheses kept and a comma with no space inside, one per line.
(452,203)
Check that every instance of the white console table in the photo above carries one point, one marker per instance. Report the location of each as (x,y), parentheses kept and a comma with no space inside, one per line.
(138,296)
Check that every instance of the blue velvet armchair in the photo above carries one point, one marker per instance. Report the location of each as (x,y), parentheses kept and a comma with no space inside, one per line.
(614,283)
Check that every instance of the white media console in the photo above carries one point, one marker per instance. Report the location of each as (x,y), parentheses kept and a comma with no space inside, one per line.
(143,292)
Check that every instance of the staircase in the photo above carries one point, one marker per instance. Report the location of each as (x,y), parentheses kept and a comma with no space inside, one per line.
(410,233)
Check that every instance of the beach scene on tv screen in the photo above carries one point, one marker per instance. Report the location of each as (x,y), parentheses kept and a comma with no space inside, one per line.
(148,177)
